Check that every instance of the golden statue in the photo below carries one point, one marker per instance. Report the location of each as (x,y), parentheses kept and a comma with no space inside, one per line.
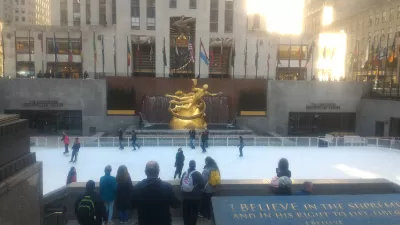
(188,109)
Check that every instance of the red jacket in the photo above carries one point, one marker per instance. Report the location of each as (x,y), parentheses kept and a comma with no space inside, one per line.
(71,177)
(66,139)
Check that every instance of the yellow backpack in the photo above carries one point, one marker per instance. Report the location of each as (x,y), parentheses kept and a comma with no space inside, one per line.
(215,178)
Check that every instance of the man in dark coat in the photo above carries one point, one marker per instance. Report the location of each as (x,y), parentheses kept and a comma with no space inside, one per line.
(203,142)
(241,145)
(192,136)
(179,161)
(134,139)
(120,138)
(153,198)
(75,150)
(206,133)
(191,198)
(90,196)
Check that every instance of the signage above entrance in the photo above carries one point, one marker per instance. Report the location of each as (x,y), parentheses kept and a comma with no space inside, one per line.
(308,210)
(43,104)
(322,106)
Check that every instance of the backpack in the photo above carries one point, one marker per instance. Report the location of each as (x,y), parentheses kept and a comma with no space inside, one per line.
(86,209)
(187,182)
(215,178)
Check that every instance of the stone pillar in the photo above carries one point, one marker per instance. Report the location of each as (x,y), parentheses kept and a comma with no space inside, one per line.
(83,13)
(203,33)
(162,31)
(94,12)
(10,54)
(143,13)
(240,34)
(109,13)
(55,12)
(38,55)
(70,13)
(123,28)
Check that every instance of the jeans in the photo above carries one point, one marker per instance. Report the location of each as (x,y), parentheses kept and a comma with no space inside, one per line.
(120,144)
(66,148)
(190,210)
(74,155)
(109,210)
(178,171)
(192,143)
(135,145)
(123,216)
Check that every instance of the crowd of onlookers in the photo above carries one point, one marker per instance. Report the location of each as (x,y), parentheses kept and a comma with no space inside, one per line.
(153,198)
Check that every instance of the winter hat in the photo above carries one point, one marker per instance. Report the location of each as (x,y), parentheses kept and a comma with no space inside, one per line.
(284,182)
(192,164)
(90,185)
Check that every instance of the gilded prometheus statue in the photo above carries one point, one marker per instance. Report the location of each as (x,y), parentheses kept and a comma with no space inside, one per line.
(188,109)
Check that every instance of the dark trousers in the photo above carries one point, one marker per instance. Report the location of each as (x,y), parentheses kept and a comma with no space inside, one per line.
(74,155)
(206,206)
(66,148)
(178,171)
(120,144)
(206,143)
(190,210)
(241,150)
(203,146)
(135,145)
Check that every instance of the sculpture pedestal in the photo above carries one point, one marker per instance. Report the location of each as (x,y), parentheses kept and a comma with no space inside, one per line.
(180,124)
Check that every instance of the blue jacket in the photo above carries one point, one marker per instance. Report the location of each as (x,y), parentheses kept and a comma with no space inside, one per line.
(108,188)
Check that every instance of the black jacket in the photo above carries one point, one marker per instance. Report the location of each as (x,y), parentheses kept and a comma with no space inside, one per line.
(76,146)
(283,173)
(179,159)
(153,199)
(134,137)
(120,135)
(192,134)
(198,184)
(101,214)
(206,134)
(124,191)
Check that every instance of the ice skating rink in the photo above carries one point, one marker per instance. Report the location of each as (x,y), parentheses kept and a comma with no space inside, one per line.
(257,163)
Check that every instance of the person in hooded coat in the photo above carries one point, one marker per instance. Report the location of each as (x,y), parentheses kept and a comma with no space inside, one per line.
(283,168)
(123,195)
(71,175)
(179,161)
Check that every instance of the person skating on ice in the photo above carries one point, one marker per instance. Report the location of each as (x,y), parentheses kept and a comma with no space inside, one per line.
(241,145)
(203,142)
(75,150)
(206,133)
(65,139)
(179,161)
(120,138)
(134,139)
(192,136)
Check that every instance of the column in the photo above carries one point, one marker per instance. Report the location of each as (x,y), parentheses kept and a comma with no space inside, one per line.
(70,13)
(38,56)
(94,11)
(221,17)
(123,28)
(10,54)
(109,13)
(143,13)
(162,31)
(55,12)
(240,34)
(83,13)
(203,32)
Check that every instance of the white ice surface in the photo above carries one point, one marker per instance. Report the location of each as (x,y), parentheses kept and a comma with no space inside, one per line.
(258,162)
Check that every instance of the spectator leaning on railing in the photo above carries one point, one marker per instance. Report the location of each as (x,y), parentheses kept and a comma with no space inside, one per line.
(89,208)
(212,177)
(124,191)
(108,187)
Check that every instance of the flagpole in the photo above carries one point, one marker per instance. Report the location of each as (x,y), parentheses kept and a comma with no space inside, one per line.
(245,61)
(41,42)
(394,54)
(115,57)
(164,57)
(81,53)
(233,60)
(312,64)
(127,65)
(102,50)
(2,46)
(29,51)
(95,53)
(199,58)
(386,62)
(257,59)
(358,59)
(290,51)
(300,56)
(69,55)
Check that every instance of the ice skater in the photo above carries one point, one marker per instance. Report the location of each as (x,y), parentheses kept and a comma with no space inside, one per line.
(241,145)
(134,139)
(206,133)
(65,139)
(203,142)
(179,161)
(192,136)
(75,150)
(120,138)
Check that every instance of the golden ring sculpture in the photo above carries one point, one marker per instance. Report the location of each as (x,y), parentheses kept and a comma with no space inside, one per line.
(188,109)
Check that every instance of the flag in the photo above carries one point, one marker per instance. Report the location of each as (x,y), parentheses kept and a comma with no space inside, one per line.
(151,53)
(94,48)
(257,55)
(176,48)
(233,54)
(102,49)
(310,52)
(190,48)
(245,54)
(69,49)
(55,47)
(392,55)
(164,54)
(138,52)
(203,53)
(129,52)
(211,56)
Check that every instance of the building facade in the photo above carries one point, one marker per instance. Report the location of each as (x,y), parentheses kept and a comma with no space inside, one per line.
(157,38)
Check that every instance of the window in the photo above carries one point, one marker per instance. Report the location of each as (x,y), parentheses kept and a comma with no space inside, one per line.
(172,4)
(22,2)
(114,11)
(214,16)
(228,16)
(294,52)
(102,12)
(384,17)
(16,10)
(88,15)
(62,46)
(377,19)
(16,19)
(370,21)
(192,4)
(22,45)
(22,10)
(151,15)
(391,14)
(63,13)
(23,19)
(76,9)
(135,14)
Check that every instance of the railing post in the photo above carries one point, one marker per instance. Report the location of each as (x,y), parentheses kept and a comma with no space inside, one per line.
(267,141)
(336,139)
(172,141)
(227,141)
(46,142)
(282,140)
(352,142)
(186,141)
(309,142)
(36,142)
(98,142)
(255,141)
(113,141)
(158,141)
(213,142)
(129,141)
(296,141)
(376,142)
(143,141)
(58,142)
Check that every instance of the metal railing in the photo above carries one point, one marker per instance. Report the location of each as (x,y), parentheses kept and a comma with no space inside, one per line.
(166,141)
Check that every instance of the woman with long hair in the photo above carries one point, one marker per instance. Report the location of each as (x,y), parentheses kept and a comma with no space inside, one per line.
(212,178)
(124,189)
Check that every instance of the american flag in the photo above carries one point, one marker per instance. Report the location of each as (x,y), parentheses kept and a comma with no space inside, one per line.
(190,47)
